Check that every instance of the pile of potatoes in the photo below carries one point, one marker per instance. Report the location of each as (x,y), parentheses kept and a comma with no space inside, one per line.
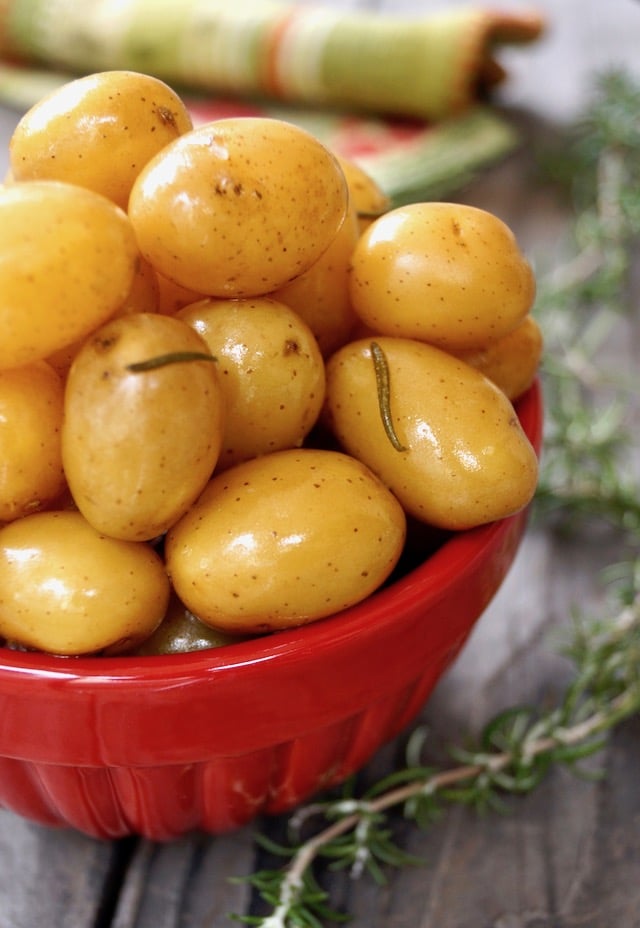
(231,375)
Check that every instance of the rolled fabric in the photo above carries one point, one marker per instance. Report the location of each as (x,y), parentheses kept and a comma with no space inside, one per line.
(429,68)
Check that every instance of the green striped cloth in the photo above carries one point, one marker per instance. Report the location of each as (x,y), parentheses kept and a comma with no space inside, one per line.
(400,94)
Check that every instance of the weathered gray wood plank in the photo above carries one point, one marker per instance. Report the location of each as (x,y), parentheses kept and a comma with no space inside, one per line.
(186,882)
(50,877)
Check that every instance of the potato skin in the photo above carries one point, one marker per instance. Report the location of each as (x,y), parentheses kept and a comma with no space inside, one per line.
(238,207)
(270,369)
(67,589)
(447,274)
(98,131)
(467,460)
(283,540)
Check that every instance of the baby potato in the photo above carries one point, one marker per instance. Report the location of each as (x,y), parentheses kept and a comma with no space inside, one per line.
(138,445)
(283,540)
(238,207)
(31,406)
(67,589)
(453,450)
(512,361)
(271,373)
(447,274)
(98,131)
(67,262)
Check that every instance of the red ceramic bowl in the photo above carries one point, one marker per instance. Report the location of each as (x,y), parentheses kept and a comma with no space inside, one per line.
(159,746)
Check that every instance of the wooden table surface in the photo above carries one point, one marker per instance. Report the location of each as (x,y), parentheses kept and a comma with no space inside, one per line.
(567,855)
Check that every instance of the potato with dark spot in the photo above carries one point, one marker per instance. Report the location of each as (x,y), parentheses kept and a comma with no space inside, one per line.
(139,444)
(447,274)
(98,131)
(238,207)
(446,441)
(271,373)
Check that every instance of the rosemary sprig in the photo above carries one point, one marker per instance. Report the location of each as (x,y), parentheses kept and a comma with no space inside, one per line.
(514,753)
(582,306)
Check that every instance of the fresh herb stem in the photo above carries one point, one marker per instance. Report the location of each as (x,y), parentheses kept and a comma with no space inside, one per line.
(164,360)
(383,386)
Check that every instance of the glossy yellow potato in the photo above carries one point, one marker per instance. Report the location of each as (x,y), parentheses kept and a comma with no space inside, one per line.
(98,131)
(321,295)
(459,456)
(283,540)
(31,406)
(67,589)
(239,206)
(512,361)
(271,373)
(67,261)
(447,274)
(139,445)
